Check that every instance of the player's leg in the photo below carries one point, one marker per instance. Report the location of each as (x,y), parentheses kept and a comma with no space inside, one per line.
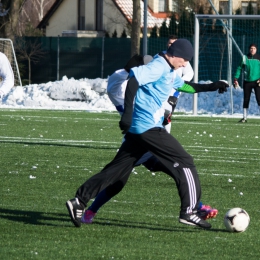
(102,198)
(118,168)
(257,94)
(172,155)
(154,165)
(247,89)
(105,195)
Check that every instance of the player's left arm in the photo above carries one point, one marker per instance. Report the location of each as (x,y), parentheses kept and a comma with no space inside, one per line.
(130,93)
(189,87)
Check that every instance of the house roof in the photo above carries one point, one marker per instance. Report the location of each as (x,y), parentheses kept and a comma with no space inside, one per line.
(125,7)
(49,14)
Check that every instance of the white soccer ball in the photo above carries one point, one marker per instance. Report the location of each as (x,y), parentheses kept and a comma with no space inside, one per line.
(236,220)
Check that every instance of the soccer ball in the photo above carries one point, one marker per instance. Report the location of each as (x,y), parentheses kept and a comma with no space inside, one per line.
(236,220)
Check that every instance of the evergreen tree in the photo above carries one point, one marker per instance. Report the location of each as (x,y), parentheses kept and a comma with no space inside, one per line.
(201,10)
(250,9)
(164,31)
(107,35)
(237,24)
(249,25)
(186,25)
(124,35)
(257,22)
(173,26)
(153,33)
(183,28)
(218,25)
(202,21)
(191,23)
(209,24)
(114,35)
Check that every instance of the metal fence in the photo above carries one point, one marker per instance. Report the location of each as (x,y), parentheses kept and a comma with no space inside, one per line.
(100,57)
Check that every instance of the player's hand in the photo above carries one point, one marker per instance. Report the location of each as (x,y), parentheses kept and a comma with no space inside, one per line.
(258,82)
(124,126)
(235,83)
(172,101)
(221,86)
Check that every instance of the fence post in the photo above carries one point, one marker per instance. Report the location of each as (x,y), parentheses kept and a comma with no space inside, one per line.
(102,58)
(58,57)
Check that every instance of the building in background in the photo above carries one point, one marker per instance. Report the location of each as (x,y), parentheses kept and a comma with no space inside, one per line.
(85,18)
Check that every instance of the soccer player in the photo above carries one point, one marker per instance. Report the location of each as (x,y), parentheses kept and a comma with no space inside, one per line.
(250,63)
(144,132)
(7,75)
(116,91)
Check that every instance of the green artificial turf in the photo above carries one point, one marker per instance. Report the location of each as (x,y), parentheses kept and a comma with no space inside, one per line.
(47,155)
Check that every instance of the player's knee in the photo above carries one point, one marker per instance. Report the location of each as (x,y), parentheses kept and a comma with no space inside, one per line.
(115,188)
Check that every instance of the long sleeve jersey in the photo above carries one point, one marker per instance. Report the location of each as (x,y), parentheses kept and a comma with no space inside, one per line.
(251,65)
(6,73)
(156,81)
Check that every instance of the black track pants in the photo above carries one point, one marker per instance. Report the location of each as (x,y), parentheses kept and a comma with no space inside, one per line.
(248,87)
(168,151)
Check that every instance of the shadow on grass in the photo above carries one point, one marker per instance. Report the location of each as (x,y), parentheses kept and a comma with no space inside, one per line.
(48,219)
(34,217)
(150,226)
(94,146)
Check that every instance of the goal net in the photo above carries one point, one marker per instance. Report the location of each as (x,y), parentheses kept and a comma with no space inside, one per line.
(6,47)
(220,42)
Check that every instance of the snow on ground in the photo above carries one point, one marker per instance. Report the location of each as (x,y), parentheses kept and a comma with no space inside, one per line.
(66,95)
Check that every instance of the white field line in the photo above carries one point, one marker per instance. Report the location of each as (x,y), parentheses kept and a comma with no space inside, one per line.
(17,138)
(61,118)
(213,117)
(222,148)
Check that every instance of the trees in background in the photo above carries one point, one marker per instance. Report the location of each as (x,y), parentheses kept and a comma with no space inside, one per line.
(182,20)
(30,51)
(20,17)
(136,28)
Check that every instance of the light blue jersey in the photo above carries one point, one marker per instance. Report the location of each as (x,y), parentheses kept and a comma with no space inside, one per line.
(156,80)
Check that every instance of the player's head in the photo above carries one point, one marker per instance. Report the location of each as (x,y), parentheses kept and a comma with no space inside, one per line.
(171,39)
(137,60)
(253,48)
(179,53)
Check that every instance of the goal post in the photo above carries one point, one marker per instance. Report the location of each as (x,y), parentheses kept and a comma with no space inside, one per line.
(218,49)
(6,47)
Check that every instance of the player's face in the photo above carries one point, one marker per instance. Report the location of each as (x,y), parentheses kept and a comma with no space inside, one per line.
(252,50)
(169,43)
(177,62)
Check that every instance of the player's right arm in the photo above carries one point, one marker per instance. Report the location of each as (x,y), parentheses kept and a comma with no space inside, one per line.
(187,72)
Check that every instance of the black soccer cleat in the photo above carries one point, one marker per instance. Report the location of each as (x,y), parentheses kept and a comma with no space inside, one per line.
(193,219)
(75,210)
(243,120)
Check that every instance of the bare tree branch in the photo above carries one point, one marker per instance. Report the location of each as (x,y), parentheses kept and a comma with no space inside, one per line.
(30,51)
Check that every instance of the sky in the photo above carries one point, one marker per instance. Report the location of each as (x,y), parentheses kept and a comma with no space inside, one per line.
(65,95)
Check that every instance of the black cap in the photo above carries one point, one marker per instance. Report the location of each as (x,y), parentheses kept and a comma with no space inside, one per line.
(181,48)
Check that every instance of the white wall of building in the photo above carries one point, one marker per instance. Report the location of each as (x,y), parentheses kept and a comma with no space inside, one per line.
(113,19)
(65,18)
